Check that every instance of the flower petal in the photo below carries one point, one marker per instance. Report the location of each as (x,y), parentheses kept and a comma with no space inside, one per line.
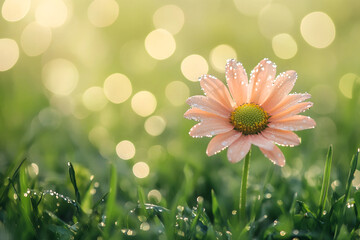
(282,137)
(288,112)
(260,141)
(210,127)
(289,101)
(237,81)
(261,79)
(215,89)
(294,123)
(222,141)
(209,105)
(238,150)
(198,114)
(283,84)
(275,155)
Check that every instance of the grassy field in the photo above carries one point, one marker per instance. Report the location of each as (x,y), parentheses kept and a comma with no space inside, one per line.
(94,144)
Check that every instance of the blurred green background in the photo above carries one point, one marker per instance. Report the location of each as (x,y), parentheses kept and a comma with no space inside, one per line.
(105,81)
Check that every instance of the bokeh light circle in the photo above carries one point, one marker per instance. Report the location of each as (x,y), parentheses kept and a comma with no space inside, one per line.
(117,88)
(155,125)
(177,92)
(219,55)
(94,99)
(9,54)
(284,46)
(103,13)
(318,29)
(169,17)
(346,84)
(15,10)
(155,195)
(125,150)
(193,66)
(51,13)
(35,39)
(141,170)
(143,103)
(275,18)
(160,44)
(60,76)
(250,7)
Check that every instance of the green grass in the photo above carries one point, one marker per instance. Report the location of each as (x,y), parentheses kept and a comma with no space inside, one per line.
(30,213)
(60,174)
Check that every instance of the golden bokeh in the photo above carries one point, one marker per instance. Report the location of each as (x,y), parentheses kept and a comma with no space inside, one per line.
(318,29)
(346,84)
(250,7)
(117,88)
(143,103)
(15,10)
(284,46)
(103,13)
(169,17)
(60,76)
(275,18)
(94,99)
(160,44)
(177,92)
(154,194)
(155,125)
(9,54)
(51,13)
(35,39)
(193,66)
(125,150)
(219,55)
(141,170)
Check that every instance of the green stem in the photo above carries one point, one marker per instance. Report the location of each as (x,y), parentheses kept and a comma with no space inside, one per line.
(243,189)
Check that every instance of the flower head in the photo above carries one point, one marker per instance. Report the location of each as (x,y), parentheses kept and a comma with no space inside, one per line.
(259,111)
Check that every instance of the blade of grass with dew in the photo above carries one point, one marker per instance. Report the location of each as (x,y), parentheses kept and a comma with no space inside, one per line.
(73,181)
(25,201)
(110,204)
(353,165)
(142,201)
(326,182)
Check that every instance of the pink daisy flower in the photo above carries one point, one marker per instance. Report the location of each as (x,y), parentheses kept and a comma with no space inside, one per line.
(258,112)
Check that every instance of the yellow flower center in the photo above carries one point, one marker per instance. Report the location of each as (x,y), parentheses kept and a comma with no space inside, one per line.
(249,118)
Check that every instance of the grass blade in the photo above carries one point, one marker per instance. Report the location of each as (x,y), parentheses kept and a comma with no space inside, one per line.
(216,209)
(326,181)
(73,181)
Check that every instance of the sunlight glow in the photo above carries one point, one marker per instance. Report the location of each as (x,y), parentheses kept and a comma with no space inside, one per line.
(125,150)
(160,44)
(117,88)
(51,13)
(141,170)
(143,103)
(169,17)
(193,66)
(35,39)
(60,76)
(219,55)
(9,54)
(103,13)
(318,29)
(15,10)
